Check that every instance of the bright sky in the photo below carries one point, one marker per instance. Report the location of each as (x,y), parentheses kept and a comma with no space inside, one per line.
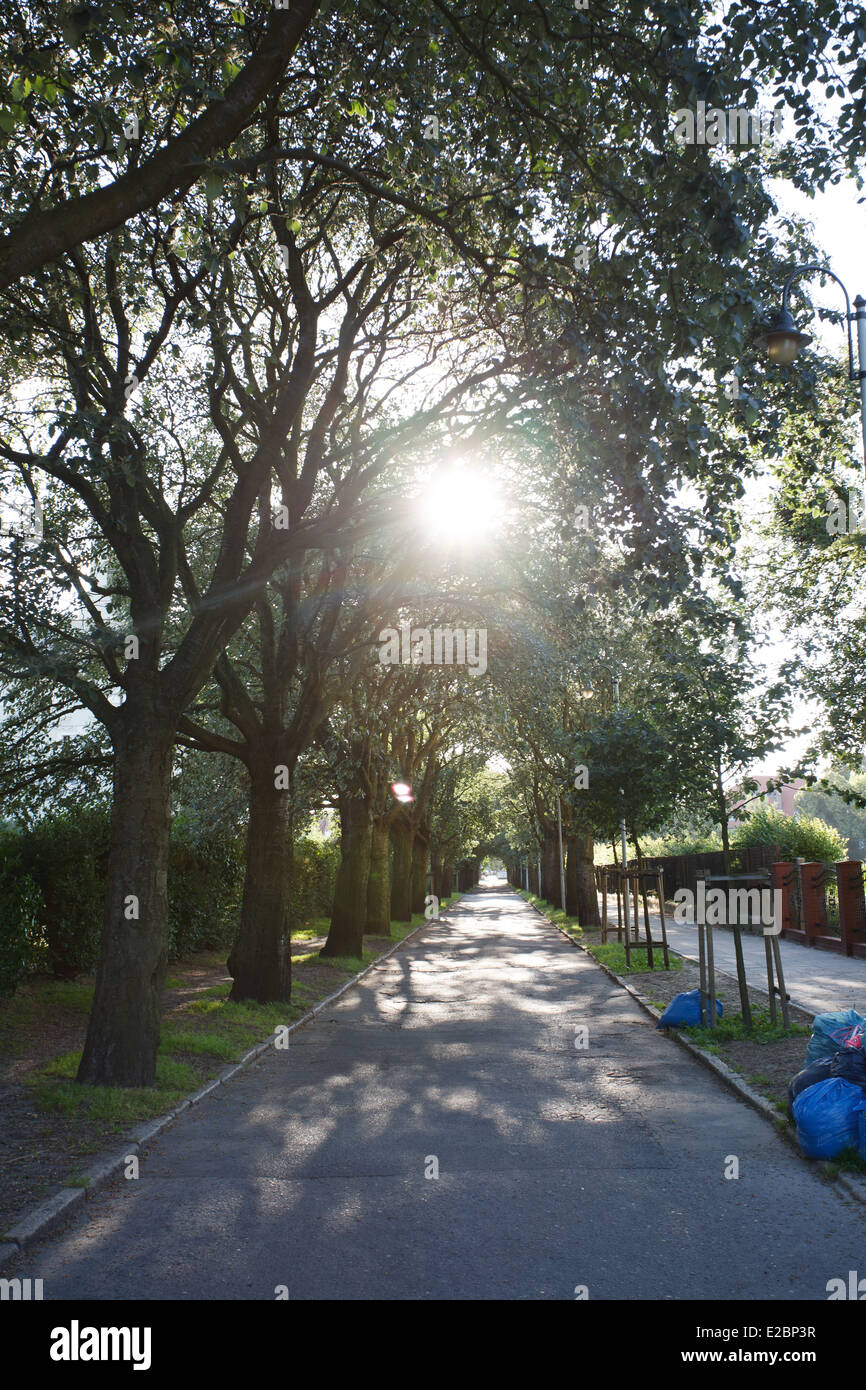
(840,222)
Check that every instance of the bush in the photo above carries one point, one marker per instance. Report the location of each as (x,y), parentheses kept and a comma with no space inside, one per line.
(315,874)
(804,837)
(66,855)
(205,883)
(20,910)
(52,889)
(660,847)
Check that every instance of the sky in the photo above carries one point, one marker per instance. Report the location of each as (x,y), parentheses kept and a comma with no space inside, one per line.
(840,225)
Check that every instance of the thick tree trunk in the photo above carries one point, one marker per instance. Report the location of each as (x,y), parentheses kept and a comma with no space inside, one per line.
(446,880)
(349,916)
(587,897)
(436,874)
(261,958)
(379,884)
(419,874)
(550,870)
(572,875)
(123,1031)
(401,882)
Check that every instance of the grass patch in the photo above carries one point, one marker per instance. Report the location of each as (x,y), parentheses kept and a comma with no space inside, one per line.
(173,982)
(848,1161)
(221,991)
(347,965)
(201,1044)
(310,930)
(612,954)
(65,994)
(759,1078)
(731,1028)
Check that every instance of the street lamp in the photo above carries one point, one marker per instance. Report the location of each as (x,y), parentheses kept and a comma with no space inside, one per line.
(783,340)
(586,691)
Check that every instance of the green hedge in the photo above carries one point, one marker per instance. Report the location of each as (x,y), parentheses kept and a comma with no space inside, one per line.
(314,877)
(20,906)
(804,837)
(66,855)
(205,886)
(52,887)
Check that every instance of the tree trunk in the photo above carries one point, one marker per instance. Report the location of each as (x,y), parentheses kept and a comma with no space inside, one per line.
(550,869)
(572,877)
(261,958)
(419,874)
(587,896)
(348,919)
(379,884)
(446,880)
(123,1032)
(401,882)
(436,874)
(722,812)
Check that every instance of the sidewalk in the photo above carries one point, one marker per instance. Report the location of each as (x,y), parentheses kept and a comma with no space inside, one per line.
(437,1134)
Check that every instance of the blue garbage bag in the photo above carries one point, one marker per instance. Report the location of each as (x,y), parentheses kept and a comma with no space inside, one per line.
(849,1064)
(861,1147)
(822,1070)
(832,1031)
(827,1116)
(684,1011)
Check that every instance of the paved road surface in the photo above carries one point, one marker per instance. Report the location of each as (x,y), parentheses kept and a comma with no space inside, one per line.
(557,1167)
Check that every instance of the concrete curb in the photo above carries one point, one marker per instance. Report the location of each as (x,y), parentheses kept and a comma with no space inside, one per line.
(854,1186)
(41,1220)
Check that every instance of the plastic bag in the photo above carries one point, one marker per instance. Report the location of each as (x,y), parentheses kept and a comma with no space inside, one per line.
(849,1064)
(822,1070)
(827,1116)
(834,1030)
(684,1011)
(861,1147)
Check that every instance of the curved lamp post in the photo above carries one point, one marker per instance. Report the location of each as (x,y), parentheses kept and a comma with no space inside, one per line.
(783,340)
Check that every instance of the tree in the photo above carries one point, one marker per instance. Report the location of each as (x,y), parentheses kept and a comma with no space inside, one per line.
(170,70)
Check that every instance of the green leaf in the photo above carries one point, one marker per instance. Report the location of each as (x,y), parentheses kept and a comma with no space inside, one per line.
(213,184)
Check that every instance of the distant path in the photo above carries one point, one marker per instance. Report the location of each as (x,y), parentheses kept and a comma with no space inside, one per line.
(557,1167)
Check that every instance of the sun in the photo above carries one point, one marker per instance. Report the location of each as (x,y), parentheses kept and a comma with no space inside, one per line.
(461,505)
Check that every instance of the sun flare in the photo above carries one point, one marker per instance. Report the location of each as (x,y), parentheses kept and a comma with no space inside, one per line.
(462,505)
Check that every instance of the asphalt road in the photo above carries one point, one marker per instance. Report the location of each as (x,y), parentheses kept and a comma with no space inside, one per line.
(558,1167)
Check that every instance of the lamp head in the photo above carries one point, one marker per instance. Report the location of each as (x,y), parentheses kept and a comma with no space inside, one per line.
(783,340)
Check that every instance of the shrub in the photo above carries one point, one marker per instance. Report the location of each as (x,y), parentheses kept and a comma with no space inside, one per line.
(66,855)
(205,882)
(804,837)
(52,889)
(659,847)
(20,910)
(315,874)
